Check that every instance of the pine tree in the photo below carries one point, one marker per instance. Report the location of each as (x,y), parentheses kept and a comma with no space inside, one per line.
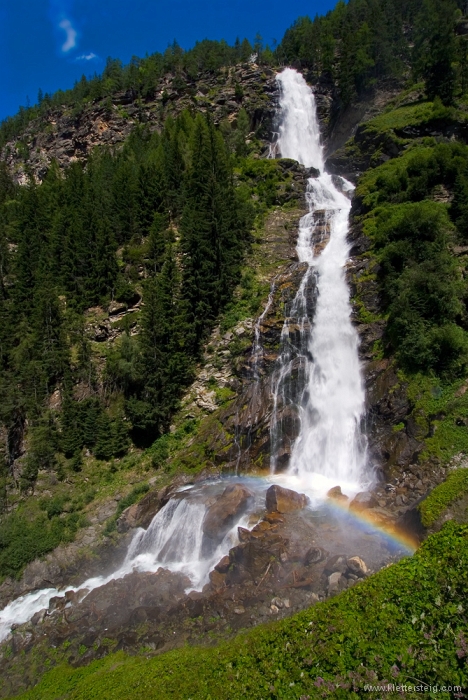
(212,237)
(71,435)
(435,48)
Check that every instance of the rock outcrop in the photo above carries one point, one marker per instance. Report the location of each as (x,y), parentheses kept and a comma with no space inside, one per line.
(222,515)
(66,136)
(281,500)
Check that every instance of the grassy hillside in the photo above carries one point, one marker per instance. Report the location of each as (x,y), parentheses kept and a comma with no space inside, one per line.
(405,625)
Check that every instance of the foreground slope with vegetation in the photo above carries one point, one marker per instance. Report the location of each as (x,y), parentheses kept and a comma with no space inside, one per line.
(406,625)
(162,231)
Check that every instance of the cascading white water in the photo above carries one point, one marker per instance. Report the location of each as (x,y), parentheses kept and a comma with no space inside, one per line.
(174,540)
(322,355)
(332,400)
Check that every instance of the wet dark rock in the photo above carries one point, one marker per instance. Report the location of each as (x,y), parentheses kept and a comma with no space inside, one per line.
(314,555)
(337,563)
(335,494)
(312,172)
(57,603)
(223,565)
(281,500)
(363,501)
(251,560)
(217,579)
(274,518)
(38,617)
(221,516)
(243,534)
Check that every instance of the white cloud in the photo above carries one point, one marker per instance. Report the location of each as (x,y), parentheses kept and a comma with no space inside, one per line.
(87,57)
(70,41)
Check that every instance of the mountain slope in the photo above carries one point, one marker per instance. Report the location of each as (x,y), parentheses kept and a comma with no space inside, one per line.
(130,309)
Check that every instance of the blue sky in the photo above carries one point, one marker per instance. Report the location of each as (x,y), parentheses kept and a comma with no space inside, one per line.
(48,44)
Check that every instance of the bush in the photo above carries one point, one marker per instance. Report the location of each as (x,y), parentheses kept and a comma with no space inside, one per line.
(454,487)
(22,540)
(421,287)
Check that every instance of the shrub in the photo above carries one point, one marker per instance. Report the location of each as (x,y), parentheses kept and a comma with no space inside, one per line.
(455,486)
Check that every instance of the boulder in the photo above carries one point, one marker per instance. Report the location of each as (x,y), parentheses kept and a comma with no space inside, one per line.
(314,555)
(243,534)
(312,172)
(334,581)
(222,515)
(217,579)
(335,494)
(38,617)
(281,500)
(116,307)
(128,519)
(142,513)
(223,565)
(357,566)
(253,560)
(335,564)
(363,501)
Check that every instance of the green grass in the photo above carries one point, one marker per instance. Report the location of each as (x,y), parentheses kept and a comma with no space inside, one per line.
(22,539)
(411,115)
(455,486)
(440,410)
(404,623)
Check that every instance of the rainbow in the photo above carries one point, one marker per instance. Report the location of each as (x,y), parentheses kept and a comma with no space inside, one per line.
(367,518)
(397,535)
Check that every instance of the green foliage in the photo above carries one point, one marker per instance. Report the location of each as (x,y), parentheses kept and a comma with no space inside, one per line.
(264,178)
(212,232)
(86,424)
(163,450)
(135,495)
(420,287)
(41,452)
(92,231)
(22,540)
(407,622)
(247,303)
(455,486)
(423,290)
(435,48)
(414,175)
(440,412)
(361,42)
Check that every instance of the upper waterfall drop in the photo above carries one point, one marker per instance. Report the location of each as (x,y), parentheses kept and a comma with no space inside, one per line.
(330,448)
(299,133)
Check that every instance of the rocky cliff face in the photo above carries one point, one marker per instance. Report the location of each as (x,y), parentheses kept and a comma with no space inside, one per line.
(69,135)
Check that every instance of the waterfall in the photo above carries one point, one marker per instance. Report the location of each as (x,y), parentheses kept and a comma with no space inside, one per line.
(318,370)
(317,380)
(174,540)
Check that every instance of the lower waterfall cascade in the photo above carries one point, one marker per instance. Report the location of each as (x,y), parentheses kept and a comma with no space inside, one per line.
(320,343)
